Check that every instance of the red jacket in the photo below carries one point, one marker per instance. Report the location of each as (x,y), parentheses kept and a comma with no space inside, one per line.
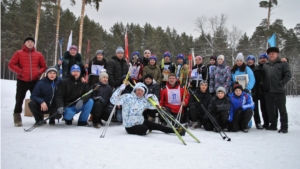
(164,98)
(28,65)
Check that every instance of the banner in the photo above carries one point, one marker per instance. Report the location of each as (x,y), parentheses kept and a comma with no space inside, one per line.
(272,40)
(70,41)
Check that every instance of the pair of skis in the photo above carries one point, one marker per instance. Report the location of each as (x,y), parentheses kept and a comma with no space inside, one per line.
(169,119)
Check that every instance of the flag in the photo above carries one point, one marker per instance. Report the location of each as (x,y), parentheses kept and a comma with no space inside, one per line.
(193,56)
(126,47)
(60,47)
(272,40)
(69,41)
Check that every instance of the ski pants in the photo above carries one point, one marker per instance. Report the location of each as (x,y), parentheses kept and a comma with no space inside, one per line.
(85,111)
(22,88)
(99,112)
(240,120)
(142,129)
(221,119)
(38,115)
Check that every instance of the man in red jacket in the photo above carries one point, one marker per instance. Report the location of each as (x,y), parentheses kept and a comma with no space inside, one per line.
(28,64)
(172,96)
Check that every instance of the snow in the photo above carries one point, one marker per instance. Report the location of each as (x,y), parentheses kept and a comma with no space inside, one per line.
(62,146)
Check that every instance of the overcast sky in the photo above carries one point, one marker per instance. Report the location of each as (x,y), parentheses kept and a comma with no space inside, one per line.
(181,14)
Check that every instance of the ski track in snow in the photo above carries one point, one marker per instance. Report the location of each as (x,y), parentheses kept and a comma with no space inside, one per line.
(62,146)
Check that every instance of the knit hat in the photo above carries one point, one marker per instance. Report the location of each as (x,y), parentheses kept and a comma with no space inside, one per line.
(102,75)
(100,52)
(119,49)
(135,53)
(213,57)
(264,55)
(51,68)
(29,38)
(236,85)
(221,57)
(250,57)
(203,82)
(273,49)
(73,47)
(148,76)
(180,56)
(221,89)
(75,68)
(147,51)
(167,53)
(240,56)
(198,57)
(152,57)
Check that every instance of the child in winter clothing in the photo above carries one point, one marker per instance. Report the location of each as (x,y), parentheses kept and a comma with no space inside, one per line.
(101,98)
(181,70)
(167,67)
(241,109)
(43,97)
(136,67)
(133,106)
(153,88)
(153,69)
(196,112)
(199,72)
(98,63)
(218,108)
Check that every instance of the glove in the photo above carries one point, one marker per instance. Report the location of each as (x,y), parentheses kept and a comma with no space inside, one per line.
(79,104)
(247,91)
(60,110)
(148,96)
(122,87)
(230,118)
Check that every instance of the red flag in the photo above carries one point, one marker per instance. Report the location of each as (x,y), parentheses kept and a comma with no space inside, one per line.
(126,47)
(190,57)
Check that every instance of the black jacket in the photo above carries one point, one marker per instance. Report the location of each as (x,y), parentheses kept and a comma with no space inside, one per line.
(116,68)
(69,90)
(217,105)
(44,91)
(204,100)
(94,61)
(153,89)
(105,91)
(201,69)
(275,75)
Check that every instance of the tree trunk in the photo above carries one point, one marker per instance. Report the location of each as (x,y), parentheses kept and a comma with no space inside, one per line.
(268,23)
(81,26)
(57,32)
(37,23)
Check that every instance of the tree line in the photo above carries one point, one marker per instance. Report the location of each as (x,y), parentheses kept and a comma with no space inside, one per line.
(18,20)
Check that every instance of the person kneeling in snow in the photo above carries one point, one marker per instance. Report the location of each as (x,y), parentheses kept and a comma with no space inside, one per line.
(69,90)
(133,106)
(241,109)
(43,97)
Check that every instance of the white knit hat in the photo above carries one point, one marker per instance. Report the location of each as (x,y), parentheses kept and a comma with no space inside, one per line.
(240,56)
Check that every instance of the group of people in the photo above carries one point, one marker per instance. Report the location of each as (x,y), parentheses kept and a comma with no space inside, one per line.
(199,96)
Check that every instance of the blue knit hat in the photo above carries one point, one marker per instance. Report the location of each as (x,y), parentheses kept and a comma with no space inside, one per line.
(135,53)
(152,57)
(75,68)
(263,55)
(250,57)
(167,53)
(180,56)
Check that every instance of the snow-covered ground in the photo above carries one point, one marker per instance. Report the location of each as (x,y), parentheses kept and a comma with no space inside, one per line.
(62,146)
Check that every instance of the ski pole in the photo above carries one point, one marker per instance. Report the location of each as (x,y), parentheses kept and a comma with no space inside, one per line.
(54,114)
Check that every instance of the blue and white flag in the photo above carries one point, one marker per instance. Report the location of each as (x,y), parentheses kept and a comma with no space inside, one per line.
(272,40)
(70,41)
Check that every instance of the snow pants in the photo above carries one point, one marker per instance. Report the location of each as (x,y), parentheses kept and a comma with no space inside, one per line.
(85,111)
(22,88)
(240,120)
(142,129)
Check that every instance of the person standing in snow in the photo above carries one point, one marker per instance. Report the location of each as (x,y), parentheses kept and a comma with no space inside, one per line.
(153,69)
(241,109)
(28,64)
(135,73)
(220,76)
(167,67)
(275,75)
(133,106)
(199,73)
(117,67)
(43,97)
(68,91)
(98,63)
(181,70)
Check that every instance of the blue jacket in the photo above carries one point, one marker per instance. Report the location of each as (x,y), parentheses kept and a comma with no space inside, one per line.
(250,75)
(244,101)
(44,91)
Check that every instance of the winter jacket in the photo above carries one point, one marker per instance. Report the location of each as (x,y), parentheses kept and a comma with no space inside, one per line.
(250,76)
(257,89)
(199,73)
(116,68)
(153,70)
(44,91)
(275,76)
(203,97)
(28,64)
(210,69)
(154,89)
(170,66)
(132,106)
(217,105)
(164,97)
(97,64)
(183,73)
(69,61)
(220,76)
(242,102)
(105,91)
(69,90)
